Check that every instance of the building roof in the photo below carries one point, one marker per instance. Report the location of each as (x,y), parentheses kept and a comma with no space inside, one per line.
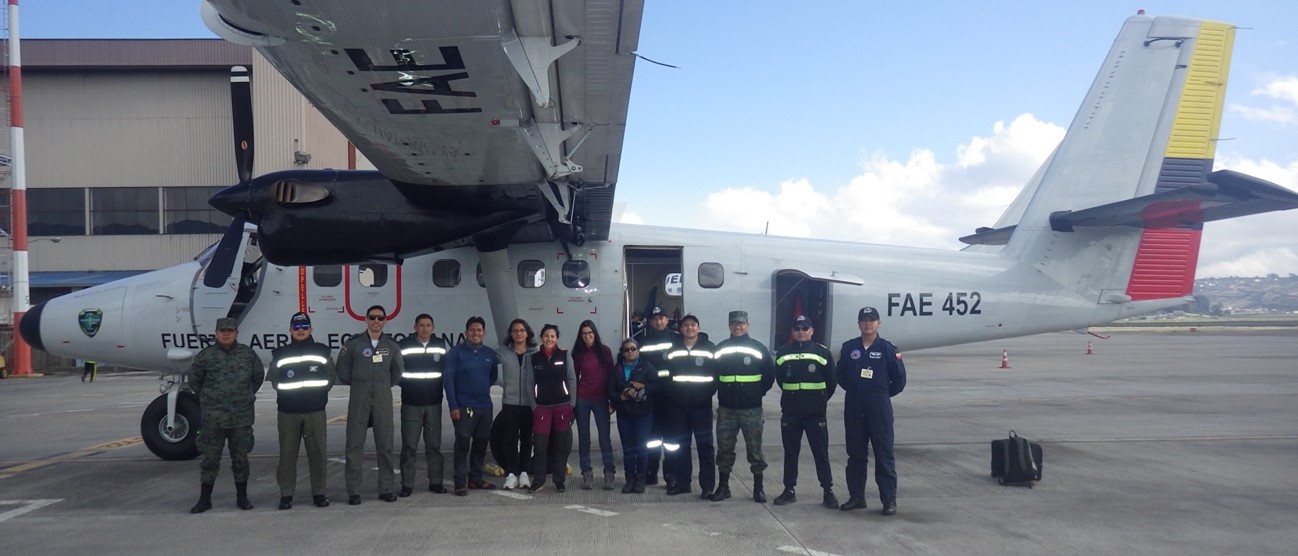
(119,54)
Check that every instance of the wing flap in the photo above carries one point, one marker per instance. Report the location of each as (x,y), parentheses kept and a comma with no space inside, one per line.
(1226,194)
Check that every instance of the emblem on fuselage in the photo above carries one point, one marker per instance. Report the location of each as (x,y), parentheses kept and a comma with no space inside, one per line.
(90,319)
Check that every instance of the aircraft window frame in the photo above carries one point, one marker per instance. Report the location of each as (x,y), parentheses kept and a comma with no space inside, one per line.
(332,271)
(446,273)
(575,274)
(711,275)
(379,277)
(531,271)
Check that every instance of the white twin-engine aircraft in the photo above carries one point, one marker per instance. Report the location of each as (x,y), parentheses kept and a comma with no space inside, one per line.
(496,128)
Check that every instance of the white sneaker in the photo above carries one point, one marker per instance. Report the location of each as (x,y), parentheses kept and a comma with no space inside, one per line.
(524,481)
(511,482)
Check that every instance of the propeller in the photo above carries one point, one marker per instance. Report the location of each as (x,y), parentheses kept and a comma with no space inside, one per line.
(227,252)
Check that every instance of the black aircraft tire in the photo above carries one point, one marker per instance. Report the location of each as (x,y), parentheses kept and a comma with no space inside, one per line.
(183,445)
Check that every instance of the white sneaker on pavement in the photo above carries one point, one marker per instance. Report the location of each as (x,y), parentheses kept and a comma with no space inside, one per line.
(511,482)
(524,481)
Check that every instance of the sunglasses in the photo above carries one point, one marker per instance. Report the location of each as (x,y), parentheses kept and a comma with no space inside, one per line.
(376,317)
(801,328)
(301,327)
(629,350)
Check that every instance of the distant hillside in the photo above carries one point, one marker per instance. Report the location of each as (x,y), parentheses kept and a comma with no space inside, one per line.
(1245,295)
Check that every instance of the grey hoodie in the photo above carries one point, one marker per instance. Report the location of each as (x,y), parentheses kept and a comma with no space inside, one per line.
(516,384)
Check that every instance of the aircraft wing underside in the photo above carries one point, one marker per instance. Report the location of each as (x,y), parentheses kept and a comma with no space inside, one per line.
(492,93)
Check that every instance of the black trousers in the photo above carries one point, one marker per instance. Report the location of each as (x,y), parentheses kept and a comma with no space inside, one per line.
(511,438)
(792,427)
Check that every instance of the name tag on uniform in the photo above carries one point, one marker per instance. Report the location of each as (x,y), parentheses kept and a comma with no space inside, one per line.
(867,373)
(378,358)
(378,354)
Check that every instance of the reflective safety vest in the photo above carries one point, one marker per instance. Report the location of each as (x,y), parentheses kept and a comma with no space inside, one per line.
(421,381)
(805,372)
(302,374)
(746,372)
(692,372)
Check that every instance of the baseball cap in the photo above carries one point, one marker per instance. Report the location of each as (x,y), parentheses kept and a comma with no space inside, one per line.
(867,313)
(227,323)
(300,318)
(739,316)
(802,320)
(657,311)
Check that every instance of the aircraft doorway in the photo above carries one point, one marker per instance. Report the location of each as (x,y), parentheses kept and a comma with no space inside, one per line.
(653,277)
(808,294)
(372,284)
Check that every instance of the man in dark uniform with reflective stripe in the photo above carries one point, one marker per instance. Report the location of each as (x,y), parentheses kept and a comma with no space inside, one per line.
(421,404)
(302,374)
(805,372)
(371,363)
(871,373)
(658,339)
(745,371)
(693,378)
(226,377)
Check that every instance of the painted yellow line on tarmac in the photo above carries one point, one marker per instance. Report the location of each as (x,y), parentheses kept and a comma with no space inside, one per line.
(78,454)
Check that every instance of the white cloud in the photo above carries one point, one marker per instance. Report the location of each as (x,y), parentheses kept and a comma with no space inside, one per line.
(1258,244)
(1277,114)
(1283,88)
(630,218)
(917,202)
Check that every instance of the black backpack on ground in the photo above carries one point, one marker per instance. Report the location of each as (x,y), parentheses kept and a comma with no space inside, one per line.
(1016,461)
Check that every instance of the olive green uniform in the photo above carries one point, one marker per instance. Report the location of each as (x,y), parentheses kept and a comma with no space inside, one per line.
(371,371)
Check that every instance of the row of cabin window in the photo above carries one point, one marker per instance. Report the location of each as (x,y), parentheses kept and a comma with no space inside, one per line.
(531,274)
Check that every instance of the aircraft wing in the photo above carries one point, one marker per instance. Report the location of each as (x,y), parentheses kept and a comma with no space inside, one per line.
(492,94)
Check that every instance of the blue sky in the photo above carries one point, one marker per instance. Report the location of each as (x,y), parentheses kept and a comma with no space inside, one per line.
(939,110)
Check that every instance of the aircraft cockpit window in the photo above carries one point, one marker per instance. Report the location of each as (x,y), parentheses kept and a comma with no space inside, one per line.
(711,275)
(327,276)
(531,273)
(446,273)
(576,274)
(372,275)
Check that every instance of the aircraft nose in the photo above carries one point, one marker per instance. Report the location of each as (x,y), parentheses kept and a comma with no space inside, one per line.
(30,327)
(233,200)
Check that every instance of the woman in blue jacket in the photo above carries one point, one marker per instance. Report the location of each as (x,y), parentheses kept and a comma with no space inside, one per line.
(631,384)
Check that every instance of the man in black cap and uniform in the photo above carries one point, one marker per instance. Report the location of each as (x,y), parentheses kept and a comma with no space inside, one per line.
(871,372)
(653,347)
(421,404)
(302,373)
(805,371)
(693,376)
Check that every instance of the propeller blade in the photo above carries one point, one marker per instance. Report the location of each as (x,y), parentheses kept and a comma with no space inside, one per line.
(241,114)
(227,252)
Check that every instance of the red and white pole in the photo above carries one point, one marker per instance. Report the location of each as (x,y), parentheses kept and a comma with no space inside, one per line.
(20,363)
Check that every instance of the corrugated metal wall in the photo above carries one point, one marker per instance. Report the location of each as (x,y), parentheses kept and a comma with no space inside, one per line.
(285,122)
(77,253)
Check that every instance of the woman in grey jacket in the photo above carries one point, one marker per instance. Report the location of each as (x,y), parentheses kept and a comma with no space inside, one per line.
(511,432)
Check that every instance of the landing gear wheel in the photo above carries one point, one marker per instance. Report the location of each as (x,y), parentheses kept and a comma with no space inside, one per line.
(179,443)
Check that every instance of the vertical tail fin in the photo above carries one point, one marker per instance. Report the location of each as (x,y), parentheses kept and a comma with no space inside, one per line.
(1148,125)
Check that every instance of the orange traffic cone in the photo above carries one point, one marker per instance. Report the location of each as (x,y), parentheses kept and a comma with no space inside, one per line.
(1090,350)
(1005,359)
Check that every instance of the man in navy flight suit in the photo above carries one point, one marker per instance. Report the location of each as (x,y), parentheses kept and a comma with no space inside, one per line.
(871,372)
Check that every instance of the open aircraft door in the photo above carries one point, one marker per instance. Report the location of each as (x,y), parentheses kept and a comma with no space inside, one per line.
(799,292)
(652,276)
(370,284)
(213,298)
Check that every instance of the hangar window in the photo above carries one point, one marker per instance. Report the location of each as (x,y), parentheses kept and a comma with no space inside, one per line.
(531,273)
(55,212)
(711,275)
(576,274)
(124,210)
(372,275)
(327,276)
(185,211)
(446,273)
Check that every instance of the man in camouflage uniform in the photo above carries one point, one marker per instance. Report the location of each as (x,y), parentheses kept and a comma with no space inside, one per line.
(370,362)
(225,377)
(745,372)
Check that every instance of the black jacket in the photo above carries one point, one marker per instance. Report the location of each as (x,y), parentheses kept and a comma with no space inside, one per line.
(692,372)
(554,381)
(644,373)
(421,381)
(302,374)
(805,371)
(745,370)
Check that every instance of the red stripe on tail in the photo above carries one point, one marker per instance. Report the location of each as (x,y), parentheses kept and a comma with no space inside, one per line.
(1165,264)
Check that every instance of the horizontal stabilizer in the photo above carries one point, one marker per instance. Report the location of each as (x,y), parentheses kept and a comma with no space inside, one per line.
(1226,194)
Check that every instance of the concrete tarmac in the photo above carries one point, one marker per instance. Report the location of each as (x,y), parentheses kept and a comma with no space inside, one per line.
(1158,443)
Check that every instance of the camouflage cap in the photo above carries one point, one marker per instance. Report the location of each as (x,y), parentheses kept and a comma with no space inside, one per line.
(227,323)
(739,316)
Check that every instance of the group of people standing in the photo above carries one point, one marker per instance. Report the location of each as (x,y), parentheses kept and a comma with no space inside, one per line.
(660,387)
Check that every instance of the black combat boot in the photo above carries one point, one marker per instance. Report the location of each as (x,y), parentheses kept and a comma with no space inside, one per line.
(639,484)
(241,495)
(723,490)
(204,500)
(759,495)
